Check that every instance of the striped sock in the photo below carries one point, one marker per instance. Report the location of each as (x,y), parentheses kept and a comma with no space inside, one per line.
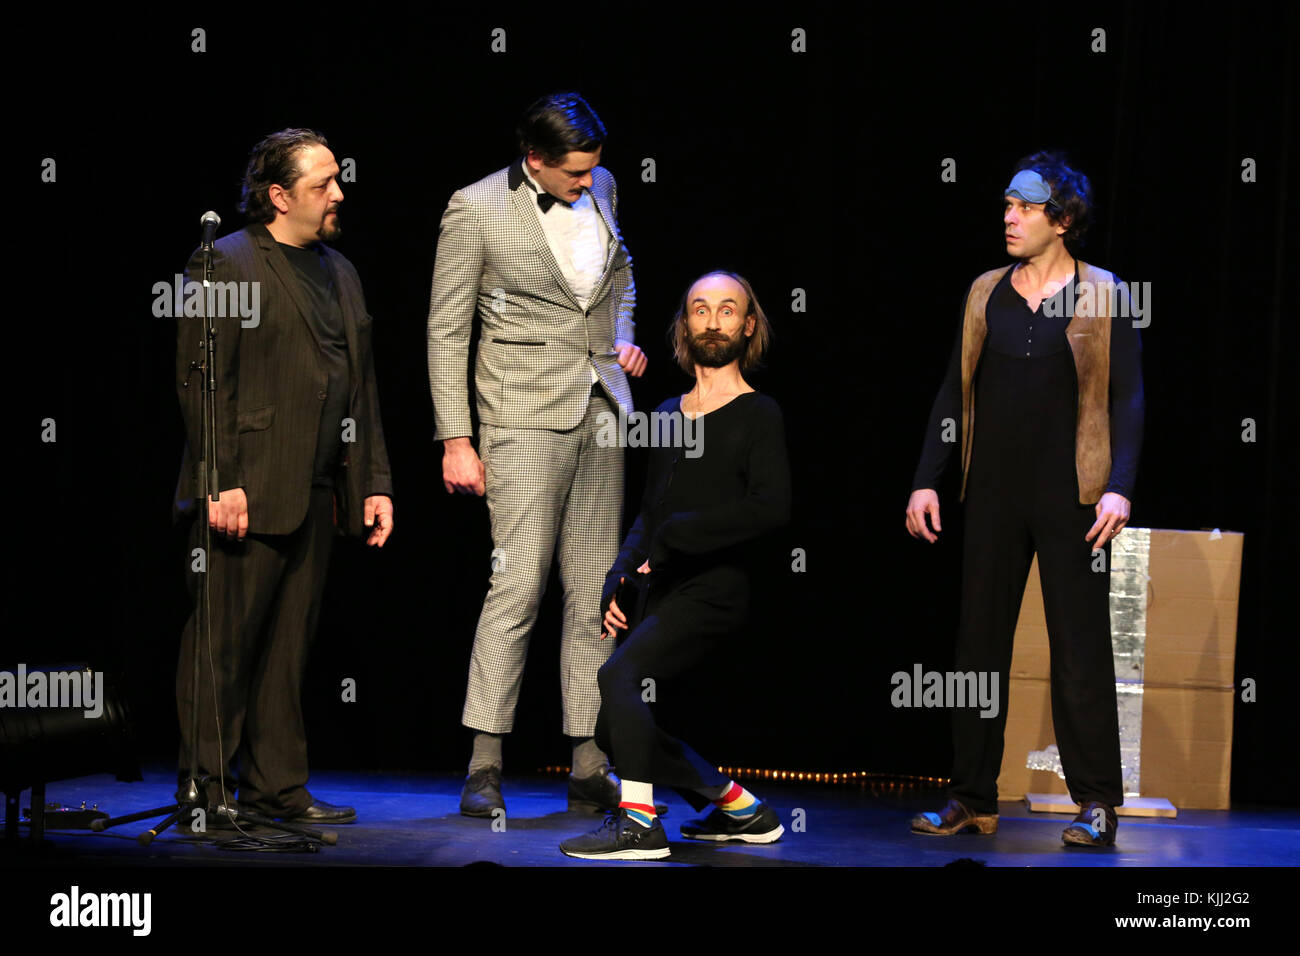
(737,802)
(643,813)
(639,802)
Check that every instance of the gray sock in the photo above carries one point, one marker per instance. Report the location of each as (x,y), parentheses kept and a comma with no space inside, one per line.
(588,759)
(487,751)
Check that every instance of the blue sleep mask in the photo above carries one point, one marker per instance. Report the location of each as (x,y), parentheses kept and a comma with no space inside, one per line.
(1030,187)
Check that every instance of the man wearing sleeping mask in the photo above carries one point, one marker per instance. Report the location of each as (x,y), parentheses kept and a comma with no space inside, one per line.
(1049,356)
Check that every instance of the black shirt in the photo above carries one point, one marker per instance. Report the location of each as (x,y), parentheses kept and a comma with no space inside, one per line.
(326,316)
(1015,330)
(701,510)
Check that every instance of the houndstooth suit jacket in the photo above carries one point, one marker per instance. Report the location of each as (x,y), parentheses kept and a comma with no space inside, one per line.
(537,344)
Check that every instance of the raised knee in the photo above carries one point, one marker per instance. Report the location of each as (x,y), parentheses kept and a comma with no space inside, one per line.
(612,674)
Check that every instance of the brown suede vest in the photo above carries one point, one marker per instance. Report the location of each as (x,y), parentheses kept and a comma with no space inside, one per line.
(1089,336)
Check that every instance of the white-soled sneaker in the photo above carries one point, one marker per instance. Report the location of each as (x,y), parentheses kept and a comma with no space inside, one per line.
(619,838)
(764,826)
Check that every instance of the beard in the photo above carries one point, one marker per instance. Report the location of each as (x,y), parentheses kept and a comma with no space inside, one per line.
(328,231)
(714,350)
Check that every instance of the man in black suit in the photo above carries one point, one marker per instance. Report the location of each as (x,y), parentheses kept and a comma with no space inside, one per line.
(299,450)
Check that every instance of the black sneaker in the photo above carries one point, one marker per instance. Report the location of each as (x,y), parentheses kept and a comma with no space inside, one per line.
(719,826)
(619,838)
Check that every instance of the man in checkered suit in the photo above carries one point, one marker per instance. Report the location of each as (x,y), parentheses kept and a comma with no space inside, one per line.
(534,250)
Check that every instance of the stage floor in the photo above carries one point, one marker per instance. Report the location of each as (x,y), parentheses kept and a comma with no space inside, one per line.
(413,820)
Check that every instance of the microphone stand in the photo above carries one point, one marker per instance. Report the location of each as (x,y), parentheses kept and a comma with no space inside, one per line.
(191,795)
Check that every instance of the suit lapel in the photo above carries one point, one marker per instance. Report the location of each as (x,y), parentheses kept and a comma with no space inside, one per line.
(349,299)
(524,200)
(607,214)
(279,266)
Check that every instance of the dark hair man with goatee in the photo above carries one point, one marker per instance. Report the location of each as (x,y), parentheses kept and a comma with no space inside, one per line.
(299,450)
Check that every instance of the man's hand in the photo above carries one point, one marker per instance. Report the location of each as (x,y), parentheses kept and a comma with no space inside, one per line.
(614,617)
(924,501)
(630,358)
(461,469)
(379,514)
(1112,516)
(229,516)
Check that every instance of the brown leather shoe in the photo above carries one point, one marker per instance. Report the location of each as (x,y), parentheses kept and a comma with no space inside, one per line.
(954,818)
(1091,828)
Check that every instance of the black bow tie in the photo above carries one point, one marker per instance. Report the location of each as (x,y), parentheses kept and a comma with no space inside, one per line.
(545,201)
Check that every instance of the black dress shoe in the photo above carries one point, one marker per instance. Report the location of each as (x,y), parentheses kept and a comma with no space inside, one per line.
(212,820)
(481,795)
(318,812)
(600,793)
(322,812)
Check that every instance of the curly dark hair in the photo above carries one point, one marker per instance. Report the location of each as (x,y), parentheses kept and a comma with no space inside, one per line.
(559,124)
(274,162)
(1071,201)
(679,331)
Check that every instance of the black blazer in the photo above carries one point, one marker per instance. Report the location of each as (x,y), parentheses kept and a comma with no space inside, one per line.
(271,390)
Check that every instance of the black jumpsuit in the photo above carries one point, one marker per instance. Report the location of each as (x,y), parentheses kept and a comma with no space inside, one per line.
(699,517)
(1022,497)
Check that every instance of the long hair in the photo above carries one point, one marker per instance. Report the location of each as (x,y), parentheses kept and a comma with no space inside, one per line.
(679,332)
(274,162)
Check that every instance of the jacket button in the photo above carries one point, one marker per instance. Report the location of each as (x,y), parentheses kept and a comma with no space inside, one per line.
(321,395)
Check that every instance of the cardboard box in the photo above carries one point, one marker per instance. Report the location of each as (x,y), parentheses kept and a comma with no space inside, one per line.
(1187,675)
(1187,745)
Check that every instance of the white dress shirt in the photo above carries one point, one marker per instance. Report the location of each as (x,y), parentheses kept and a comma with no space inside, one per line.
(579,240)
(578,237)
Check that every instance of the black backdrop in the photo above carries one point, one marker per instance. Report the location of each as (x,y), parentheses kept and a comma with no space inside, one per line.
(816,170)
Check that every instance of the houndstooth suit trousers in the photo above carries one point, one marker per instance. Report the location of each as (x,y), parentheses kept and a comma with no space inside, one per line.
(548,493)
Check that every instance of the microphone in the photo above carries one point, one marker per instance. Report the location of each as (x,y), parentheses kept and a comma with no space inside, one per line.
(209,222)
